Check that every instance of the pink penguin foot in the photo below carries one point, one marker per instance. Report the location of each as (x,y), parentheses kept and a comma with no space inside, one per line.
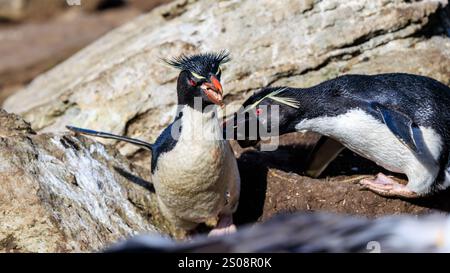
(224,226)
(387,187)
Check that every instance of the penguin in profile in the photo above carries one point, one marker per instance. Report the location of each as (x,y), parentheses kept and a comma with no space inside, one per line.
(399,121)
(194,170)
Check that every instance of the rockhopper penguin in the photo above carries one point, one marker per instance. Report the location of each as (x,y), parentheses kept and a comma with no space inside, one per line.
(194,170)
(399,121)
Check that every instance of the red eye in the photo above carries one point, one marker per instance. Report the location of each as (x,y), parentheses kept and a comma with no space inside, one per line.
(192,82)
(259,111)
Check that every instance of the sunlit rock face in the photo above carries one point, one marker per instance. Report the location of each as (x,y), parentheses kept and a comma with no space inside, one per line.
(60,194)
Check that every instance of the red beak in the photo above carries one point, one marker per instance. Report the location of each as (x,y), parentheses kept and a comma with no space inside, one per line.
(217,84)
(213,90)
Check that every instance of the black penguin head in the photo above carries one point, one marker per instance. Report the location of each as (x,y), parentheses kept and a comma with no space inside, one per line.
(265,113)
(200,78)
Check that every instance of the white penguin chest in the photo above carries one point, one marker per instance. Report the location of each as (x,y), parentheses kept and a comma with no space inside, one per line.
(192,162)
(189,179)
(199,151)
(370,138)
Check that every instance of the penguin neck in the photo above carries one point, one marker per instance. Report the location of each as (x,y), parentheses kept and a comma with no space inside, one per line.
(199,125)
(194,102)
(307,108)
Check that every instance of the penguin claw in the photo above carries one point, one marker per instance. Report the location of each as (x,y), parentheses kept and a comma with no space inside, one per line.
(385,186)
(222,231)
(224,226)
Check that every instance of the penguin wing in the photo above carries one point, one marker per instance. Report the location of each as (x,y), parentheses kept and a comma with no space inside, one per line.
(325,151)
(400,125)
(233,179)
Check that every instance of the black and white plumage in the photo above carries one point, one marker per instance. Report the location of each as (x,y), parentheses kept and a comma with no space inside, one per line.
(400,121)
(312,233)
(194,170)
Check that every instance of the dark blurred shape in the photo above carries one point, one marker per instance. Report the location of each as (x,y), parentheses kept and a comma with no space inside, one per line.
(314,232)
(107,4)
(147,5)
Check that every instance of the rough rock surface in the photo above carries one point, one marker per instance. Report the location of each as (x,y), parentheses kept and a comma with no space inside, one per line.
(33,47)
(61,194)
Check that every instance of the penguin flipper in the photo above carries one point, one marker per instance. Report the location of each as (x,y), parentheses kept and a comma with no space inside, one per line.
(325,151)
(110,136)
(400,125)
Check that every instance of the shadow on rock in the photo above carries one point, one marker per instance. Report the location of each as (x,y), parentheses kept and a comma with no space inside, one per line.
(135,179)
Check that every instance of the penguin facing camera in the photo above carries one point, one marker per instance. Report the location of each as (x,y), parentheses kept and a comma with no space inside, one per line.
(399,121)
(194,170)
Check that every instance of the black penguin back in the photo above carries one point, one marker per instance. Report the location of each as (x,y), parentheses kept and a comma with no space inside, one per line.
(166,141)
(424,100)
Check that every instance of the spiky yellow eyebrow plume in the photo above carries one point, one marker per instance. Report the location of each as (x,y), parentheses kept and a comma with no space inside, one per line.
(200,77)
(283,100)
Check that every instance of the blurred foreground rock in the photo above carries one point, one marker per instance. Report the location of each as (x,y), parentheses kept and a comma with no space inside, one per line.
(313,233)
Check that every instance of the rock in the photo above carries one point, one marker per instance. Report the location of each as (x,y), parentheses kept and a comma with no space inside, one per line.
(8,90)
(17,10)
(11,9)
(31,48)
(23,10)
(119,84)
(147,5)
(60,193)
